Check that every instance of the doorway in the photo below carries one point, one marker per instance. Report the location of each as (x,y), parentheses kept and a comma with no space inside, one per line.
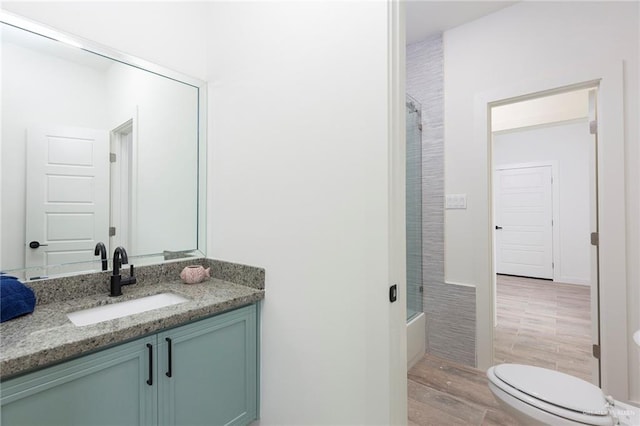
(123,186)
(545,207)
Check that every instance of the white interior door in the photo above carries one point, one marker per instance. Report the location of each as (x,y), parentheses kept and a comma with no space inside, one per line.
(67,210)
(524,216)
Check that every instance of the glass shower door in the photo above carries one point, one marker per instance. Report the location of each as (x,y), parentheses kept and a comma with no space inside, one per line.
(414,207)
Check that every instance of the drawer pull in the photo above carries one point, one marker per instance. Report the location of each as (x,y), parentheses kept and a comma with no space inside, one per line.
(150,380)
(168,373)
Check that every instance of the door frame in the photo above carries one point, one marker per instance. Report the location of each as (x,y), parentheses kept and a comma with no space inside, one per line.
(555,202)
(124,170)
(608,77)
(394,333)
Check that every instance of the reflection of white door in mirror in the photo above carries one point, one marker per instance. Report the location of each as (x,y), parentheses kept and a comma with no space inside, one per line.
(67,199)
(524,212)
(47,83)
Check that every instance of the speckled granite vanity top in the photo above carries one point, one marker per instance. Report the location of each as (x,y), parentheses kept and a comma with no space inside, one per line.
(47,336)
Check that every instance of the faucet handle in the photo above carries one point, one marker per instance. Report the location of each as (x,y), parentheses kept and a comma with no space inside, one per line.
(131,279)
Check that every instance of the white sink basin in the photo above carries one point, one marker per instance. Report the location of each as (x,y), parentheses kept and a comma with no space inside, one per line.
(123,309)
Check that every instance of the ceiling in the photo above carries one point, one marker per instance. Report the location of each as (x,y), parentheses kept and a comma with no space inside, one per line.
(424,18)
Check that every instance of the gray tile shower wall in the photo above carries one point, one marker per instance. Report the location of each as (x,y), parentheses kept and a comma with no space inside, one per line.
(450,309)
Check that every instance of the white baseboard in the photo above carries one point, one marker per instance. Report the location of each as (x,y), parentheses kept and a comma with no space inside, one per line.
(573,280)
(460,284)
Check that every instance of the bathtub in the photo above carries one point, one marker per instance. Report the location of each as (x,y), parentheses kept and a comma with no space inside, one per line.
(416,339)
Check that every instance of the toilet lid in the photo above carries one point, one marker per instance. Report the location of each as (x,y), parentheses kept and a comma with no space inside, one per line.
(554,388)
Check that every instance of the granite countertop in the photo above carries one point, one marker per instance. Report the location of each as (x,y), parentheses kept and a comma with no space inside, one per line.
(47,336)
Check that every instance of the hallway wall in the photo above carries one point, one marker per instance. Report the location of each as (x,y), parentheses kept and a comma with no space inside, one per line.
(535,42)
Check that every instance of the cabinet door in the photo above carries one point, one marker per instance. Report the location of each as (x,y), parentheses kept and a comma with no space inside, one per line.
(213,377)
(106,388)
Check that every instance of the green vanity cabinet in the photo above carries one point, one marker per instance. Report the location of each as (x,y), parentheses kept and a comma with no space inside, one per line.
(207,371)
(211,380)
(105,388)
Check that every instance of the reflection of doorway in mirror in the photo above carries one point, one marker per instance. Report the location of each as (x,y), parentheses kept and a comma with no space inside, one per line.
(545,204)
(122,182)
(49,83)
(66,208)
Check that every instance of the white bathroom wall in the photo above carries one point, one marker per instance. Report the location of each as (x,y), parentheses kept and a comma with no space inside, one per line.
(298,98)
(567,145)
(534,41)
(27,78)
(299,180)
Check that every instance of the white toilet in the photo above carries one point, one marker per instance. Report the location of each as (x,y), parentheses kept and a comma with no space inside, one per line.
(538,396)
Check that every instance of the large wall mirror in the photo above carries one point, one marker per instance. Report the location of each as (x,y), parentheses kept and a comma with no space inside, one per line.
(97,146)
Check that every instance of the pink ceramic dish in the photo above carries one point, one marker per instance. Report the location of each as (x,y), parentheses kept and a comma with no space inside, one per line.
(194,274)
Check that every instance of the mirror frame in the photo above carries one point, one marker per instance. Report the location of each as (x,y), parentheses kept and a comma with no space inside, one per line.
(96,48)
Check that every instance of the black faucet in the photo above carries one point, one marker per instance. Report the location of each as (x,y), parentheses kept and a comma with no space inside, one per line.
(102,251)
(120,258)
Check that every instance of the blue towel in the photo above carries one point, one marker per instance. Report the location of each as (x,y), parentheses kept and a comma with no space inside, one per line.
(16,299)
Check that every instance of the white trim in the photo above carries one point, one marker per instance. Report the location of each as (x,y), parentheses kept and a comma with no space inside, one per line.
(593,226)
(397,330)
(133,202)
(460,284)
(205,200)
(119,178)
(566,279)
(126,155)
(541,125)
(611,187)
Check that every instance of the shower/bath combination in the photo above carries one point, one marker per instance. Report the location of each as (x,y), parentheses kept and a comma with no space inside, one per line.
(416,318)
(414,207)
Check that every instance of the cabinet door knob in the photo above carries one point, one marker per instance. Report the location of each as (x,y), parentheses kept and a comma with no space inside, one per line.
(168,373)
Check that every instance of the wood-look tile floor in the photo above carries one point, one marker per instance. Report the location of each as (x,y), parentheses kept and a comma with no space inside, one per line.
(443,393)
(539,323)
(544,323)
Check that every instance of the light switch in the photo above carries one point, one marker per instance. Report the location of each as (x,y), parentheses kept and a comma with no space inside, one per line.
(456,201)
